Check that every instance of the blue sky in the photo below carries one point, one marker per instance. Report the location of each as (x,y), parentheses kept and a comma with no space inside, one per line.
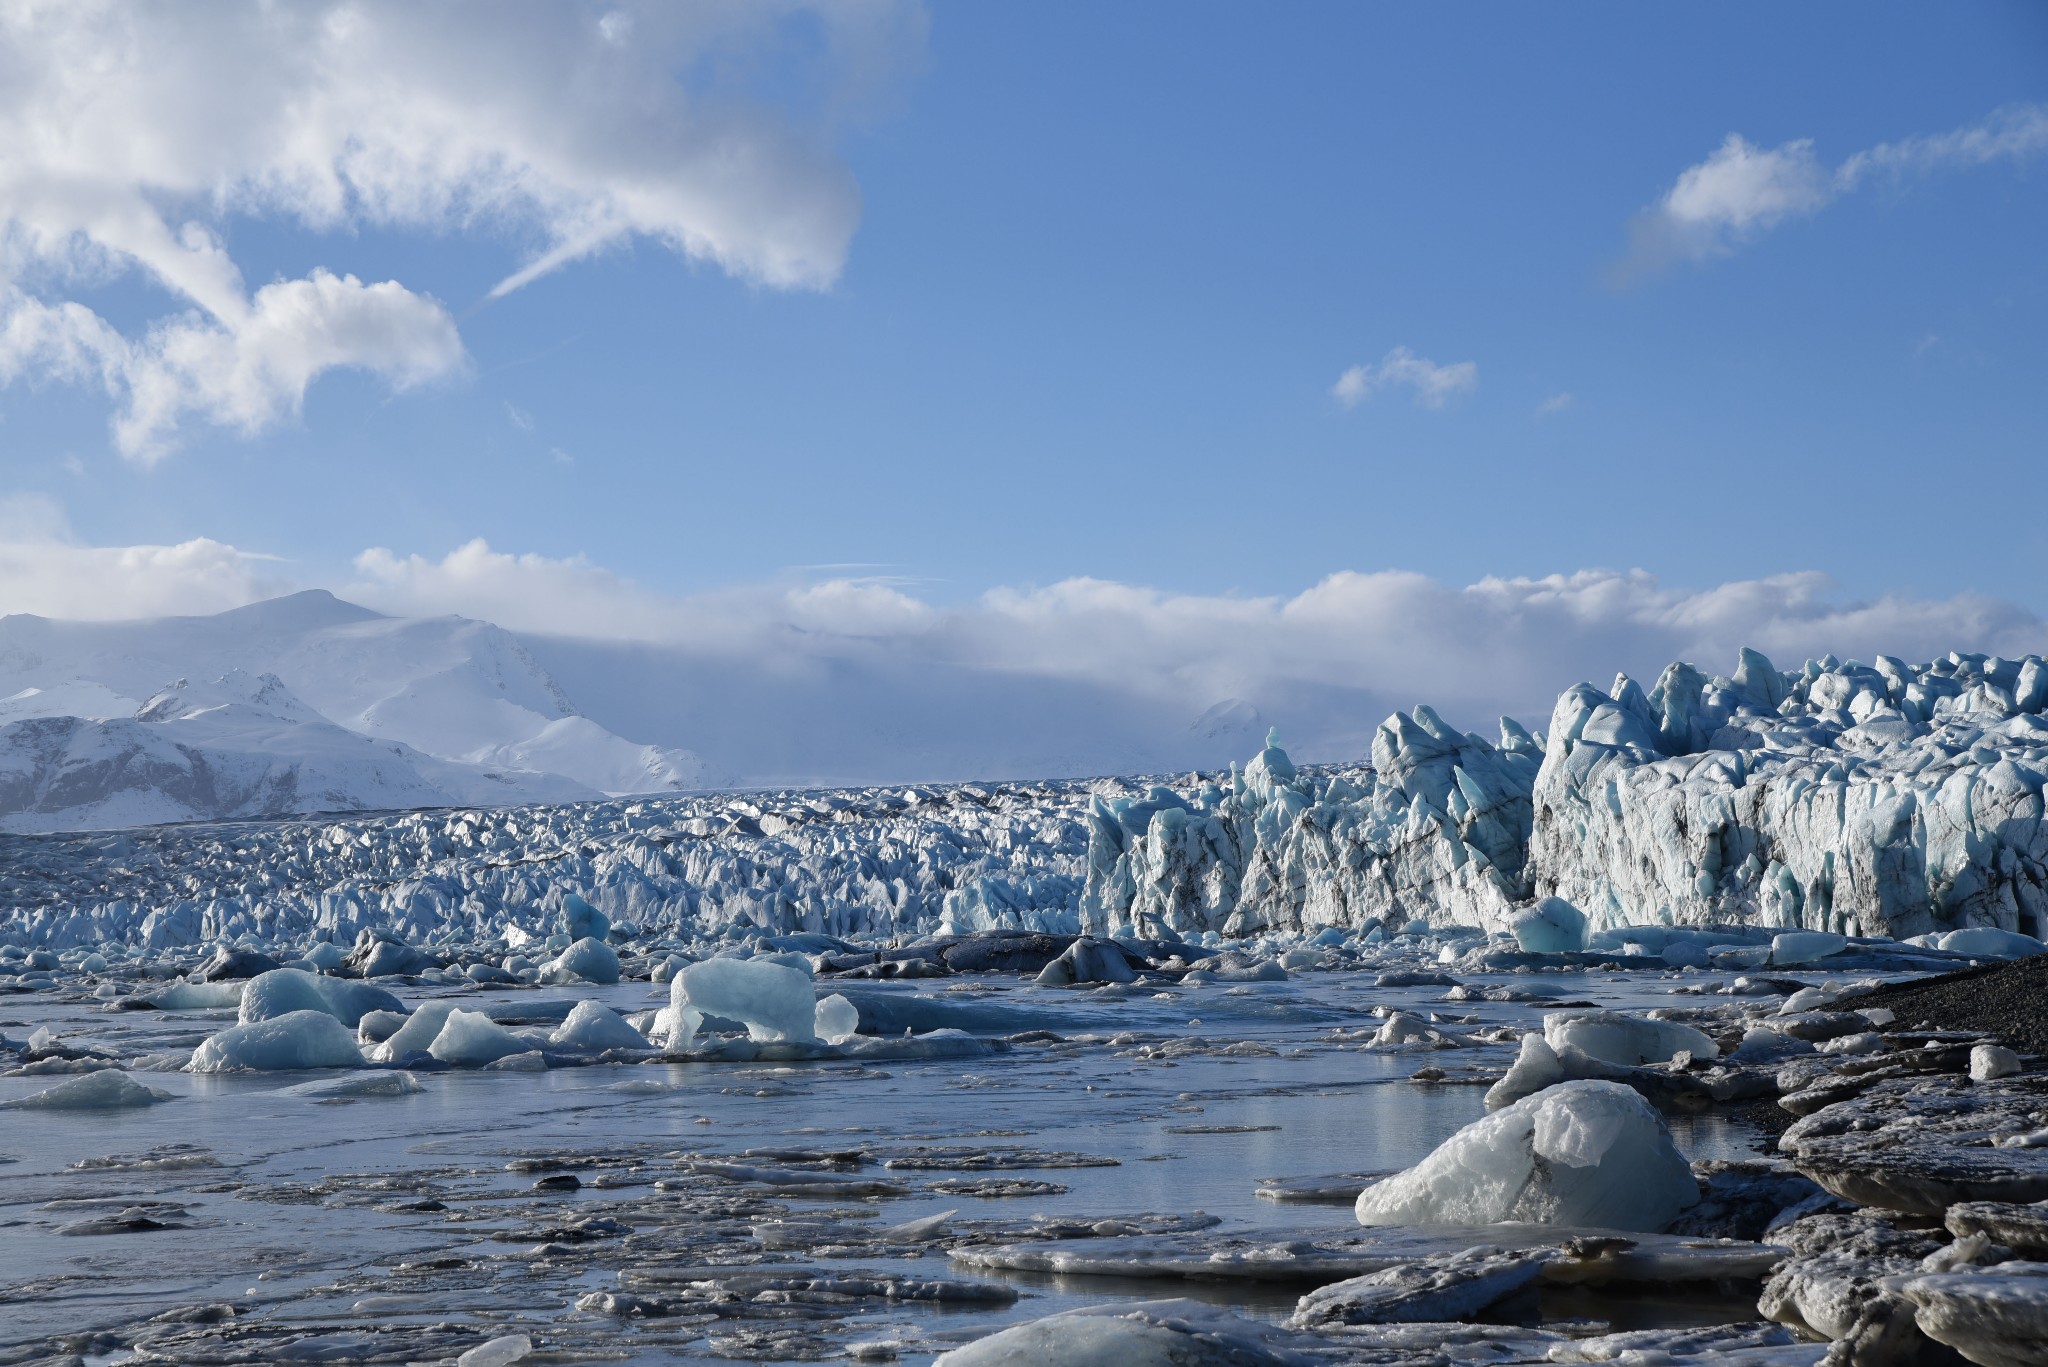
(1110,264)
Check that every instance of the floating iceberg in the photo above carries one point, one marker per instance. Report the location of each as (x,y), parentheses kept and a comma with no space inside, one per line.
(588,960)
(1579,1153)
(1618,1037)
(775,1002)
(1177,1333)
(416,1035)
(1552,926)
(596,1027)
(106,1089)
(1535,1068)
(471,1039)
(837,1020)
(297,1039)
(282,991)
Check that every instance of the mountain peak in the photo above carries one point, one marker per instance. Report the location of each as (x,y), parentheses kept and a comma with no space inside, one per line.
(305,611)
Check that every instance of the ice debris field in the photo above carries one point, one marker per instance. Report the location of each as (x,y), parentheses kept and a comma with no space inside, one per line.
(1604,1044)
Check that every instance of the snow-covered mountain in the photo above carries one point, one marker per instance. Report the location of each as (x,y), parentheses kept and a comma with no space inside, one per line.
(236,747)
(297,704)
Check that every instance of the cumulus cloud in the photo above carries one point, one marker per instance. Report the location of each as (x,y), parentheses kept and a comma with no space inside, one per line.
(246,376)
(45,569)
(1327,663)
(132,136)
(1433,385)
(1742,191)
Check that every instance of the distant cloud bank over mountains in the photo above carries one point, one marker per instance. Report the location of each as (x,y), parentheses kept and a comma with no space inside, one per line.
(308,703)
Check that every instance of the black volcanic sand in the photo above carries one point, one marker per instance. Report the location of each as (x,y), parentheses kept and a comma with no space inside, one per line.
(2008,1000)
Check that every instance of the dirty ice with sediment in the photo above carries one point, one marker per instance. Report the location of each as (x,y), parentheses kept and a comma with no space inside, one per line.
(1595,1043)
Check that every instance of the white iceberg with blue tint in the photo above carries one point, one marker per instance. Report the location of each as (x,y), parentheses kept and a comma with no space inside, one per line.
(1625,1039)
(1590,1154)
(1552,926)
(297,1039)
(595,1027)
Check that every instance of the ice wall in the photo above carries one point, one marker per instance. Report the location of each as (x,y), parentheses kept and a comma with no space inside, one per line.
(1886,799)
(1439,825)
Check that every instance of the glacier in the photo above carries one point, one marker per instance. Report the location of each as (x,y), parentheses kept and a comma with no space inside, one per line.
(1696,821)
(1888,800)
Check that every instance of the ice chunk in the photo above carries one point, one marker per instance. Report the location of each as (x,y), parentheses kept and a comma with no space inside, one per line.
(1088,960)
(1430,1289)
(595,1026)
(581,921)
(471,1039)
(1983,942)
(188,996)
(1178,1333)
(107,1089)
(1617,1037)
(358,1087)
(1996,1316)
(592,961)
(1804,946)
(324,956)
(1988,1061)
(297,1039)
(775,1003)
(282,991)
(498,1352)
(1552,926)
(1580,1153)
(837,1020)
(1534,1069)
(416,1035)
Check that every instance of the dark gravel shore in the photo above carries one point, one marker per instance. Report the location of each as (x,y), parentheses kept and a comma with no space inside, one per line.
(2009,1000)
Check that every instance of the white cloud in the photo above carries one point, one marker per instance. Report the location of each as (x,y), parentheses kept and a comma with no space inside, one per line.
(132,135)
(2013,133)
(1433,385)
(46,570)
(1327,662)
(1555,404)
(1742,191)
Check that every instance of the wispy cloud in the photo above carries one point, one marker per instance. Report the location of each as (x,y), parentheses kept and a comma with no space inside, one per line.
(1742,191)
(1433,385)
(1555,404)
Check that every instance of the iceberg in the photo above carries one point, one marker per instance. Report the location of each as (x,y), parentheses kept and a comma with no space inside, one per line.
(837,1020)
(775,1002)
(1176,1333)
(1552,926)
(1618,1037)
(416,1035)
(470,1039)
(1580,1153)
(104,1089)
(297,1039)
(282,991)
(596,1027)
(587,960)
